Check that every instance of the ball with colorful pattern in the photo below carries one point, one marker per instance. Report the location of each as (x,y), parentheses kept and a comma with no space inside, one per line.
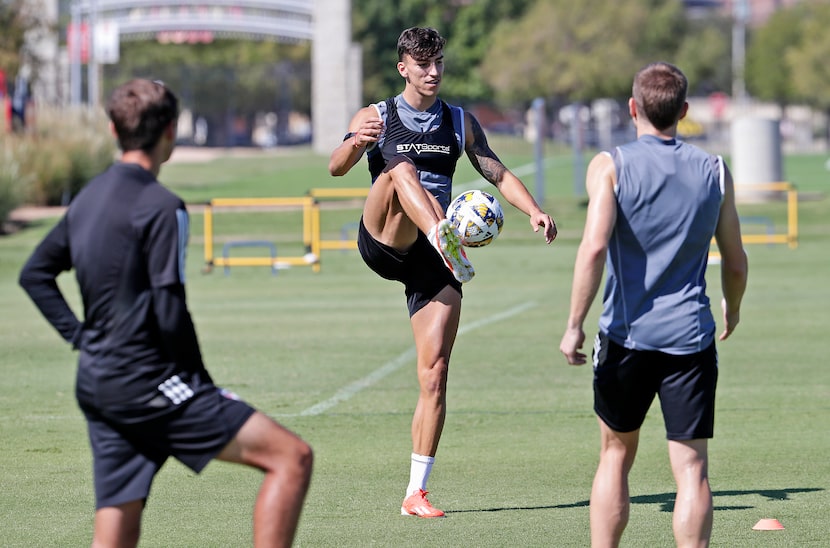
(478,217)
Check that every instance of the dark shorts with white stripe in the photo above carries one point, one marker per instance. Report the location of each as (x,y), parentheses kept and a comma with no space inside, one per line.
(626,382)
(420,268)
(128,455)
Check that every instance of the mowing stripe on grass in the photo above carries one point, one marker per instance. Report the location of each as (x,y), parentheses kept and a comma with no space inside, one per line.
(347,392)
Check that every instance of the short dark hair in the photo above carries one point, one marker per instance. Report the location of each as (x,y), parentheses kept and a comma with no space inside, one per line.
(420,43)
(659,91)
(140,111)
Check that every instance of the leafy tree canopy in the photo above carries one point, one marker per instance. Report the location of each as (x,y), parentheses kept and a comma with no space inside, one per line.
(20,22)
(807,63)
(226,75)
(705,55)
(767,72)
(581,50)
(467,26)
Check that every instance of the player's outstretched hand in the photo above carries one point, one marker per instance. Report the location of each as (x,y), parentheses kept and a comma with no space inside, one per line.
(541,219)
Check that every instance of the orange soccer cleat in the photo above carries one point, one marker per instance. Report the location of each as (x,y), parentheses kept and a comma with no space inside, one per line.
(417,504)
(447,243)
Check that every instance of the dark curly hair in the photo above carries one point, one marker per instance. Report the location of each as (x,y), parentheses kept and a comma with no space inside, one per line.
(420,43)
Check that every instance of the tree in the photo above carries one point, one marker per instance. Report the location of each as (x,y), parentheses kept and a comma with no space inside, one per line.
(21,22)
(807,63)
(469,37)
(224,79)
(467,26)
(768,73)
(787,57)
(704,55)
(578,51)
(376,25)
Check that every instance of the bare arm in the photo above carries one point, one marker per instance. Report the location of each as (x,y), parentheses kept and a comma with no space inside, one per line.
(366,127)
(486,162)
(734,266)
(590,258)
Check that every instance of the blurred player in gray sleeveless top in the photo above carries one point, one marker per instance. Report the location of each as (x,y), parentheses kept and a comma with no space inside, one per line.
(654,206)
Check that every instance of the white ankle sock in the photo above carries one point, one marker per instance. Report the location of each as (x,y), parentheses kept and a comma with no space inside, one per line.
(419,470)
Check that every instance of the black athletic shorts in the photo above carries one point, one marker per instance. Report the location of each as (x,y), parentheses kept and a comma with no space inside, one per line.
(126,457)
(421,269)
(626,381)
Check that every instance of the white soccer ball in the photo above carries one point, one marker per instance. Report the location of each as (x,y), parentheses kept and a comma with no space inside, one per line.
(478,217)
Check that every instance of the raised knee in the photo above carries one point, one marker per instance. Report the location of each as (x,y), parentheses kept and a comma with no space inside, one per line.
(400,165)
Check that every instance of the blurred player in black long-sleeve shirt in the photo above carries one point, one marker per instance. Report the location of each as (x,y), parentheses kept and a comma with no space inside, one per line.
(141,382)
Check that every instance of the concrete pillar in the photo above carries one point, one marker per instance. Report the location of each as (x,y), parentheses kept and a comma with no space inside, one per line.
(756,156)
(336,74)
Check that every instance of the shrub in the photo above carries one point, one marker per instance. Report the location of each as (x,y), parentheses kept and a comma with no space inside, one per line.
(65,148)
(12,183)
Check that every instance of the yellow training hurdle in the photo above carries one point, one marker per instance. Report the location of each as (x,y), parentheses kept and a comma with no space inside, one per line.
(331,193)
(314,243)
(790,237)
(311,233)
(312,239)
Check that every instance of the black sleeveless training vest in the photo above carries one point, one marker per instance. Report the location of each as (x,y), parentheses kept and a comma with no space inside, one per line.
(435,151)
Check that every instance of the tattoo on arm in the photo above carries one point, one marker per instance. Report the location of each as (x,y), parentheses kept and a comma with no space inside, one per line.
(484,160)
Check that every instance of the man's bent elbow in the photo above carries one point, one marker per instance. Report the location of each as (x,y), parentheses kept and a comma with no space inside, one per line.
(336,170)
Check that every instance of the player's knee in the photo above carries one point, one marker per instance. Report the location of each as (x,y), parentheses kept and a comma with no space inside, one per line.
(434,379)
(304,456)
(618,456)
(296,459)
(400,166)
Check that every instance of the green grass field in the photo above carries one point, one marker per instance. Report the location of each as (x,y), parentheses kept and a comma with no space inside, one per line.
(330,355)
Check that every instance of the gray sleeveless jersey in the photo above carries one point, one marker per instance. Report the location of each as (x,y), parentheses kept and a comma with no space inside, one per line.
(668,201)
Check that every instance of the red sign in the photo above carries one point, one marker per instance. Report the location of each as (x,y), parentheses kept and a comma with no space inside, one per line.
(718,101)
(77,43)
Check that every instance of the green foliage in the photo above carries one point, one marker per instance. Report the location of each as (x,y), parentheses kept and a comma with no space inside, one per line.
(704,55)
(467,26)
(663,28)
(377,25)
(470,33)
(12,182)
(223,78)
(580,50)
(787,58)
(808,63)
(61,153)
(22,22)
(768,73)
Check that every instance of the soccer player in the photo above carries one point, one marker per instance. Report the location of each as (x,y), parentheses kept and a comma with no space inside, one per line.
(654,205)
(141,382)
(414,141)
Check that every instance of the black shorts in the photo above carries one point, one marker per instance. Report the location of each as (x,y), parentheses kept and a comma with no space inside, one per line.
(126,457)
(421,269)
(626,381)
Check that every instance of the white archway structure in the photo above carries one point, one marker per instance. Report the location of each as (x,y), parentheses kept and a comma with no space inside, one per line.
(335,65)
